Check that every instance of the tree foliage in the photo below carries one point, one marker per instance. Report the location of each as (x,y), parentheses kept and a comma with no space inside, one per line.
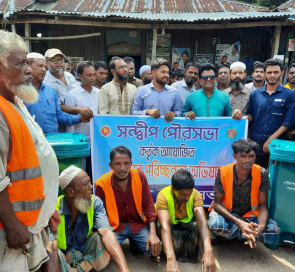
(266,3)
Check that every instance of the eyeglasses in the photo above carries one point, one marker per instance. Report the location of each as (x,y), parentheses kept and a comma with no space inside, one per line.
(58,60)
(206,77)
(121,67)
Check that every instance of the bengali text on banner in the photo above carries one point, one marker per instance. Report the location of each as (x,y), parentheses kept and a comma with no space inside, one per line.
(160,148)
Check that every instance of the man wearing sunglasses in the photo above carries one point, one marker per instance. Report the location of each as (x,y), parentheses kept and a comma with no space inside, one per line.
(208,101)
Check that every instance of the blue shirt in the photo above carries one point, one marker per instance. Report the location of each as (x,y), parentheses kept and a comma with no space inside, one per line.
(148,98)
(218,104)
(184,91)
(47,111)
(77,231)
(269,112)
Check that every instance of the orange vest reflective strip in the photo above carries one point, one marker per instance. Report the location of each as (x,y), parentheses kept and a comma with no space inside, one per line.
(227,179)
(111,207)
(26,192)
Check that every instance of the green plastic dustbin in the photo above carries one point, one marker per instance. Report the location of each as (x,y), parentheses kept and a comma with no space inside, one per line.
(282,181)
(70,149)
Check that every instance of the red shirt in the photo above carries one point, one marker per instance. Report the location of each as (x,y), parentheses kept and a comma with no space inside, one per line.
(126,205)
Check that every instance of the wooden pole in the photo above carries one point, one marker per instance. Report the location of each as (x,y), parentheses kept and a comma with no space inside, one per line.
(28,34)
(276,40)
(13,28)
(62,37)
(154,44)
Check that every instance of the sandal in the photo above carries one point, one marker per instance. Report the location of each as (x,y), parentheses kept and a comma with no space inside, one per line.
(156,259)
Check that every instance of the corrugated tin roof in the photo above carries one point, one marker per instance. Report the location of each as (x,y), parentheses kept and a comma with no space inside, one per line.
(163,10)
(289,6)
(153,6)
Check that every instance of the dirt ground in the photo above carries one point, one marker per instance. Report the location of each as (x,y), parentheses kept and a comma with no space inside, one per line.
(231,256)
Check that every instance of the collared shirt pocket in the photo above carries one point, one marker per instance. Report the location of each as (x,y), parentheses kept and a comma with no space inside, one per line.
(278,107)
(48,106)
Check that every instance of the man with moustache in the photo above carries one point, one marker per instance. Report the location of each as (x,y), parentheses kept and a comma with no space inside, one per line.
(186,85)
(117,96)
(145,74)
(28,166)
(101,69)
(258,76)
(223,77)
(129,204)
(130,63)
(271,109)
(85,96)
(157,98)
(85,239)
(208,101)
(46,110)
(291,77)
(182,223)
(62,82)
(238,93)
(241,199)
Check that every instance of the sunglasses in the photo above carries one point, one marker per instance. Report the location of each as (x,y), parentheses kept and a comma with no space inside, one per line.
(206,77)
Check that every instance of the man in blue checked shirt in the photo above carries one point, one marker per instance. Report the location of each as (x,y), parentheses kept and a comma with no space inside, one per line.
(157,98)
(272,110)
(47,109)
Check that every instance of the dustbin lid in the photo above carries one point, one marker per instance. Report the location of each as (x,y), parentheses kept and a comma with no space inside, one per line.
(282,150)
(69,145)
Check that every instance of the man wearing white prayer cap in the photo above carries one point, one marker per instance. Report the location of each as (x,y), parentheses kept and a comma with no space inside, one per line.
(84,234)
(46,109)
(239,94)
(145,74)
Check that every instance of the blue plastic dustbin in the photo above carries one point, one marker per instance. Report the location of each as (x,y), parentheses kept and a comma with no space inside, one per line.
(282,181)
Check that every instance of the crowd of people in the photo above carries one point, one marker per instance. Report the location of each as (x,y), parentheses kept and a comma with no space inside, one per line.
(79,231)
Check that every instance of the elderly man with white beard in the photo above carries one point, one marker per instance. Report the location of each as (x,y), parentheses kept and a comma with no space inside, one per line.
(238,93)
(85,239)
(28,166)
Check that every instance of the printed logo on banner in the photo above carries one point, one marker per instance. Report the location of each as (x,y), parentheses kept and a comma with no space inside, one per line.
(105,131)
(232,133)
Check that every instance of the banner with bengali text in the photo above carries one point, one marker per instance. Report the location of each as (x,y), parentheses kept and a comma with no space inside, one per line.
(160,148)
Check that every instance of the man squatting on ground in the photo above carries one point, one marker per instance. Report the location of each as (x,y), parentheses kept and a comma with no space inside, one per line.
(182,223)
(241,199)
(85,239)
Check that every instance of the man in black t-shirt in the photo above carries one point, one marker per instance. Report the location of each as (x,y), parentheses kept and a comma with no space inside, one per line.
(241,199)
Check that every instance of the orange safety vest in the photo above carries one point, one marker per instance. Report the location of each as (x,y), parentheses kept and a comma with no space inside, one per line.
(110,202)
(227,179)
(26,193)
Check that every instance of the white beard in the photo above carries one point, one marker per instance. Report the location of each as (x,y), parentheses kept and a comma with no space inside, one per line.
(82,205)
(26,93)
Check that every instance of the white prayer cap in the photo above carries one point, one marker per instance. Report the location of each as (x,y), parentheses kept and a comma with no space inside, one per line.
(238,64)
(35,55)
(67,175)
(143,69)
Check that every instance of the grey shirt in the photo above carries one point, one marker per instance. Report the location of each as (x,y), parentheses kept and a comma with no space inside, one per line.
(61,88)
(242,193)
